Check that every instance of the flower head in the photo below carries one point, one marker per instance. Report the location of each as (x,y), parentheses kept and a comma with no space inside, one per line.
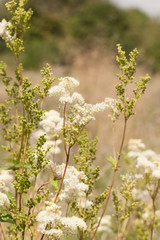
(4,31)
(4,201)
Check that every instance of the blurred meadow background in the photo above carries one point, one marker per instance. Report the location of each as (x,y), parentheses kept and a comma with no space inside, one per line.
(78,38)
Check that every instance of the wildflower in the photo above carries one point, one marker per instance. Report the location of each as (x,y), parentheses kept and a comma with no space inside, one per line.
(6,179)
(4,201)
(50,216)
(77,98)
(71,224)
(79,112)
(51,122)
(4,31)
(64,88)
(53,147)
(84,203)
(140,195)
(146,159)
(136,145)
(73,185)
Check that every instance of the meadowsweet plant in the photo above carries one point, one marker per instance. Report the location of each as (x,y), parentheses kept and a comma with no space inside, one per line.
(124,106)
(43,197)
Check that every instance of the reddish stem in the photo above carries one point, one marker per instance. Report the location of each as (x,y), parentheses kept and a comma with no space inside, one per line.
(2,232)
(60,187)
(112,181)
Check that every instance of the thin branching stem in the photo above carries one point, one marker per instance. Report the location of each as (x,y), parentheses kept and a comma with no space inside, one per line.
(35,227)
(64,127)
(113,142)
(23,234)
(60,187)
(67,152)
(42,237)
(2,232)
(113,178)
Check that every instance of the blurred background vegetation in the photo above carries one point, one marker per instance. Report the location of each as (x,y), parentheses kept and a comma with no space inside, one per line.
(60,27)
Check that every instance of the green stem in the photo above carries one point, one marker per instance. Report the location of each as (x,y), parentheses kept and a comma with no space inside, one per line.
(23,234)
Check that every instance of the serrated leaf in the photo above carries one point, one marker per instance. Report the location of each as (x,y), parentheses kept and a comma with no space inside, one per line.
(54,183)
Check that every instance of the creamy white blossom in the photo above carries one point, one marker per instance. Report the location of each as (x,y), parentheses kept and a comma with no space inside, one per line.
(51,125)
(65,87)
(66,99)
(77,98)
(53,147)
(4,31)
(54,233)
(51,122)
(82,114)
(68,83)
(4,201)
(51,215)
(147,160)
(79,113)
(6,178)
(71,224)
(84,203)
(136,145)
(51,223)
(73,184)
(141,195)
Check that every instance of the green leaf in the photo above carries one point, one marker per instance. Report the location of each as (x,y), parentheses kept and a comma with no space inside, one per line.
(54,183)
(112,161)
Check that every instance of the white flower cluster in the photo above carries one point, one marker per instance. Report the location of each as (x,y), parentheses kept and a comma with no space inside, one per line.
(71,224)
(51,125)
(79,113)
(84,203)
(4,31)
(6,179)
(148,160)
(50,216)
(136,145)
(82,114)
(141,195)
(6,186)
(105,225)
(64,89)
(54,147)
(73,185)
(4,201)
(51,222)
